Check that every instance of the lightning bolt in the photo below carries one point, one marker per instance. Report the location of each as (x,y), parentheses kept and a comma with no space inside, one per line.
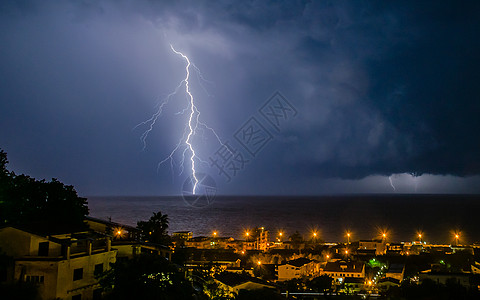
(391,183)
(185,143)
(191,127)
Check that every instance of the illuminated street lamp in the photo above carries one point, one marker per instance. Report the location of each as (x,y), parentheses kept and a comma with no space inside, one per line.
(247,235)
(384,236)
(279,238)
(119,232)
(457,237)
(215,234)
(420,235)
(348,236)
(259,263)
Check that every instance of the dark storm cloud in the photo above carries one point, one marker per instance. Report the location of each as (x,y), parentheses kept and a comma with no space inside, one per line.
(381,88)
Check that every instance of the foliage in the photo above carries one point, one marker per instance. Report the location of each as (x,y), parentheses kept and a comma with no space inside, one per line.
(214,291)
(146,277)
(155,229)
(320,284)
(39,205)
(296,239)
(432,290)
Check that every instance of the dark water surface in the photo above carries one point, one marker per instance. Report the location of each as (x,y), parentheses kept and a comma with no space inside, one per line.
(403,215)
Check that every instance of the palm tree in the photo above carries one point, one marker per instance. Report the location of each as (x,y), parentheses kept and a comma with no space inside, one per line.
(155,229)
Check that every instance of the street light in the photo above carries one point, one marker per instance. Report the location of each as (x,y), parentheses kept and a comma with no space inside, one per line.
(457,237)
(348,236)
(420,235)
(214,234)
(384,235)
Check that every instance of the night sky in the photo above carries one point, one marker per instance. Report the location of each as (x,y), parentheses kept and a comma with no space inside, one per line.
(373,92)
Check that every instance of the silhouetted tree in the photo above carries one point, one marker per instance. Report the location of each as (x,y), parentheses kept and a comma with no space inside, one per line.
(320,284)
(44,207)
(296,239)
(155,229)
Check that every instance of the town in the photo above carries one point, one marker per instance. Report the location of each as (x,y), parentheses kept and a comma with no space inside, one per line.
(271,264)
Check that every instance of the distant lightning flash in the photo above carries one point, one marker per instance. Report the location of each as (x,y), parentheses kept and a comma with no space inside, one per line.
(191,126)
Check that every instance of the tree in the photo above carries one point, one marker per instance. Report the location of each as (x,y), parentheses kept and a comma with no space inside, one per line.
(38,205)
(155,229)
(146,276)
(320,284)
(5,180)
(296,240)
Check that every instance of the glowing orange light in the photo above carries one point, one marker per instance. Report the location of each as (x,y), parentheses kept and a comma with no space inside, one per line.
(259,263)
(119,232)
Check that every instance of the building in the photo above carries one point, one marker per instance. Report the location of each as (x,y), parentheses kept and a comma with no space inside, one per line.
(371,247)
(184,235)
(396,271)
(126,239)
(297,268)
(395,249)
(262,242)
(203,242)
(64,266)
(387,283)
(204,258)
(353,285)
(117,230)
(233,282)
(444,277)
(339,270)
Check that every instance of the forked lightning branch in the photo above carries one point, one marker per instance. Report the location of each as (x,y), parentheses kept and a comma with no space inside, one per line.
(185,144)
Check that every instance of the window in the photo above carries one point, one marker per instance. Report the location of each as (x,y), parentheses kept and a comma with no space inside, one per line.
(77,275)
(77,297)
(43,249)
(98,269)
(34,279)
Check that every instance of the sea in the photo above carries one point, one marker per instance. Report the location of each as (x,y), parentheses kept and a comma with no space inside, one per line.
(437,217)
